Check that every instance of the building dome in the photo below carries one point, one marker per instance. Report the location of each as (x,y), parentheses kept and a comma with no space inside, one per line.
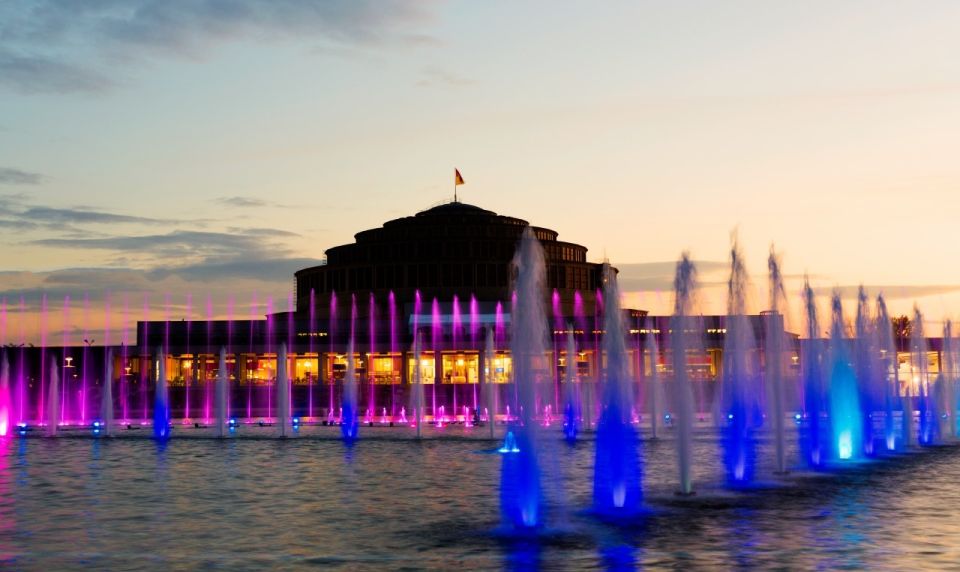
(453,249)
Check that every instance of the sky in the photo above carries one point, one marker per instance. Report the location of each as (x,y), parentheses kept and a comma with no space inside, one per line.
(182,158)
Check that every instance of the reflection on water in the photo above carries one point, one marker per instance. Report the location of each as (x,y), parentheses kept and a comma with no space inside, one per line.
(389,502)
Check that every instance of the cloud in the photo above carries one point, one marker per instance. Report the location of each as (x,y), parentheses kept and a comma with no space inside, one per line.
(31,73)
(890,292)
(264,232)
(81,215)
(10,176)
(61,46)
(174,244)
(658,276)
(432,77)
(242,202)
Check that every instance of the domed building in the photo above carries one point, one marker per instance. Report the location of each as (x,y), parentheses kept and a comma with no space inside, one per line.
(444,274)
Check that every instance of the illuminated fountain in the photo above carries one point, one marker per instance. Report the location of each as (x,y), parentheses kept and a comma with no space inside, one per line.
(867,363)
(220,400)
(283,392)
(571,401)
(521,502)
(490,389)
(653,385)
(53,399)
(773,359)
(740,406)
(417,399)
(950,380)
(5,402)
(349,416)
(106,398)
(845,413)
(814,429)
(617,470)
(161,401)
(928,412)
(684,285)
(889,372)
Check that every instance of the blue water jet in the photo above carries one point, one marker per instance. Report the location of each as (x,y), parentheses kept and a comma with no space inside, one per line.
(161,401)
(521,497)
(845,412)
(740,407)
(617,470)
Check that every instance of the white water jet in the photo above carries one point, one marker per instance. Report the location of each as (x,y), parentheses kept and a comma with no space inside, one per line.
(220,396)
(106,399)
(6,405)
(890,369)
(53,399)
(417,386)
(654,384)
(684,286)
(283,392)
(490,388)
(571,390)
(774,358)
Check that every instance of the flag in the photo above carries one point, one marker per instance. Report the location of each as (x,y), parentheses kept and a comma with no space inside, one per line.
(457,177)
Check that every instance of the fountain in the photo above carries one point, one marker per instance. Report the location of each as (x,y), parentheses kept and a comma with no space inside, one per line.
(521,502)
(654,390)
(5,403)
(220,401)
(740,389)
(867,364)
(283,391)
(161,401)
(53,399)
(490,389)
(889,373)
(950,379)
(684,286)
(349,416)
(617,471)
(813,430)
(773,359)
(106,398)
(845,413)
(927,391)
(571,409)
(417,386)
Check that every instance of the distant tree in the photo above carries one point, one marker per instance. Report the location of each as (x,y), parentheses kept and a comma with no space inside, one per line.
(902,328)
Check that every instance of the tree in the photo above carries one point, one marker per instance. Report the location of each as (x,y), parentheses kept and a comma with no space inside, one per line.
(902,328)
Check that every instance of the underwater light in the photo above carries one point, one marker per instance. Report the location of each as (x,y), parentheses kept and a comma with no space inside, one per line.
(845,445)
(509,444)
(730,416)
(22,428)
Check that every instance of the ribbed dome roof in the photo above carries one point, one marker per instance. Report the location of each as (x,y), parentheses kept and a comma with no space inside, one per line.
(455,209)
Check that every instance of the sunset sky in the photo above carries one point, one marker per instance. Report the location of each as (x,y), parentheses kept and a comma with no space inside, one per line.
(176,151)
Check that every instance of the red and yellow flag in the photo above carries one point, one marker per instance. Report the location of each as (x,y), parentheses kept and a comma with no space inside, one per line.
(457,178)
